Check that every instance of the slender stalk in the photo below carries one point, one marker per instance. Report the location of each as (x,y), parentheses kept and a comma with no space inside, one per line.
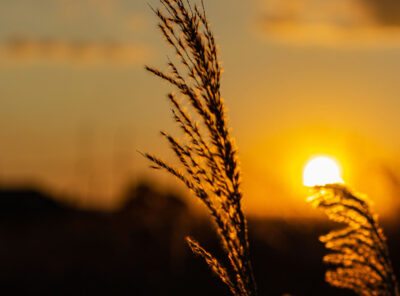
(360,253)
(208,158)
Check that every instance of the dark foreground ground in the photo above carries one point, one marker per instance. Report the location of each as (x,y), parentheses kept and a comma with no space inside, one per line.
(47,248)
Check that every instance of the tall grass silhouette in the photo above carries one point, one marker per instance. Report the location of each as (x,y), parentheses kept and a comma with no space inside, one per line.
(360,254)
(208,157)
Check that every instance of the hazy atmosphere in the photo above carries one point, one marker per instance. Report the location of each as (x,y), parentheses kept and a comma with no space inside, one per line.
(301,79)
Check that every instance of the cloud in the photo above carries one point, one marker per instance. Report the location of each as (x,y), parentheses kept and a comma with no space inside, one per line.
(332,23)
(386,12)
(22,49)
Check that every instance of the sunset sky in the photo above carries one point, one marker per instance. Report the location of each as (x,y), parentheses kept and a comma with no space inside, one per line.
(301,78)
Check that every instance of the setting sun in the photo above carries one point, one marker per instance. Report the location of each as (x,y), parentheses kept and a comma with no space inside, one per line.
(321,170)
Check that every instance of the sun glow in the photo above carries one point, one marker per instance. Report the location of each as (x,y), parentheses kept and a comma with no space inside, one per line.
(320,171)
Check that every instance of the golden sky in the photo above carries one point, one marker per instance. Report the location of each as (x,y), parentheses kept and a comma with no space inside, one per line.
(301,78)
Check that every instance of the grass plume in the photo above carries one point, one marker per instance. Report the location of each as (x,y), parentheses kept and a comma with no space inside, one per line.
(359,252)
(208,157)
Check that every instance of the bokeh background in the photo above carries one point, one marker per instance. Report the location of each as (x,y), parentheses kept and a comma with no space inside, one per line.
(301,78)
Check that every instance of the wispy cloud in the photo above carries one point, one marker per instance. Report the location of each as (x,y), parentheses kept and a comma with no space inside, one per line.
(23,49)
(385,12)
(332,23)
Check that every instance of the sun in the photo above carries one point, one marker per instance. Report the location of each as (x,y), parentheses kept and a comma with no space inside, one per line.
(320,171)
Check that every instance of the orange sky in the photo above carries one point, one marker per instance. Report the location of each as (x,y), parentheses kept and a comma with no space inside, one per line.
(301,78)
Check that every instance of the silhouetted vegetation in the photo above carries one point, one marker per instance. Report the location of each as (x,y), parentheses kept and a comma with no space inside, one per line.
(49,248)
(209,158)
(359,252)
(52,248)
(210,170)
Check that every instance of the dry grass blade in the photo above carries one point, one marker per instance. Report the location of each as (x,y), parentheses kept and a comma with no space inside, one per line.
(213,263)
(209,164)
(360,253)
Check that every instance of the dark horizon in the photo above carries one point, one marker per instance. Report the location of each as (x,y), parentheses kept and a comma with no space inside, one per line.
(140,249)
(273,120)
